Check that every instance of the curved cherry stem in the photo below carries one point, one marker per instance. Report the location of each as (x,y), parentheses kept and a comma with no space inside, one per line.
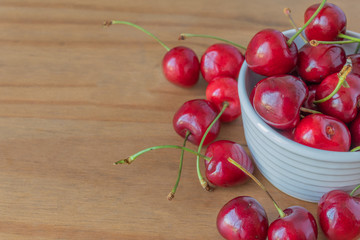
(355,189)
(232,161)
(355,39)
(183,36)
(287,13)
(289,42)
(130,159)
(342,77)
(112,22)
(355,149)
(308,110)
(314,43)
(203,182)
(173,191)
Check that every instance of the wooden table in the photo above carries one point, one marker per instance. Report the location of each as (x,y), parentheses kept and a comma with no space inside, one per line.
(75,97)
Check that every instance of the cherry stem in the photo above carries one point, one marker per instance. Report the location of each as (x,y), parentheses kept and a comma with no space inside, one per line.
(287,13)
(355,189)
(232,161)
(341,35)
(203,182)
(315,43)
(289,42)
(133,157)
(355,149)
(342,77)
(183,36)
(307,110)
(173,191)
(108,23)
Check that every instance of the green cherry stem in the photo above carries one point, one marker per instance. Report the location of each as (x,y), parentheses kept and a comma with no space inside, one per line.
(203,182)
(112,22)
(341,35)
(173,191)
(342,77)
(232,161)
(314,43)
(287,13)
(183,36)
(307,110)
(289,42)
(130,159)
(355,149)
(355,189)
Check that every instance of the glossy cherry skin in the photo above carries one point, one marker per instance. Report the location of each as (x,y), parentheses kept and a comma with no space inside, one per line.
(224,89)
(242,218)
(181,66)
(323,132)
(354,128)
(344,104)
(316,63)
(195,116)
(326,26)
(339,215)
(221,60)
(278,99)
(355,59)
(219,171)
(298,224)
(309,102)
(268,53)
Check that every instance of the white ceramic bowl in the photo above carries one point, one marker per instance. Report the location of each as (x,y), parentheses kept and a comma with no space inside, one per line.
(297,170)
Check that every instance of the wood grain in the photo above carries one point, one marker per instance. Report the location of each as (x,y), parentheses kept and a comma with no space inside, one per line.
(75,97)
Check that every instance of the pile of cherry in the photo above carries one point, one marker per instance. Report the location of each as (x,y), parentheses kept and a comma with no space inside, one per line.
(311,95)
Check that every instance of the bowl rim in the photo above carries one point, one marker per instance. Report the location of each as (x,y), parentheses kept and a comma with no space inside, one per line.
(282,141)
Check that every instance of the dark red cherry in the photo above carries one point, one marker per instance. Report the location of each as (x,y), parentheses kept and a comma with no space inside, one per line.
(355,131)
(219,171)
(278,99)
(323,132)
(344,104)
(339,215)
(242,218)
(224,89)
(316,63)
(326,26)
(181,66)
(195,116)
(297,224)
(221,60)
(268,53)
(355,59)
(309,102)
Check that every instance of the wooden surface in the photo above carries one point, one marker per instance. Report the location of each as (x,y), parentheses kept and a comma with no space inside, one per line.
(75,97)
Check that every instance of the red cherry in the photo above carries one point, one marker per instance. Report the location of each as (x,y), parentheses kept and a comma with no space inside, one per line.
(355,59)
(195,116)
(309,102)
(224,89)
(221,60)
(345,103)
(339,215)
(181,66)
(316,63)
(297,224)
(268,53)
(327,25)
(323,132)
(242,218)
(278,99)
(222,173)
(355,131)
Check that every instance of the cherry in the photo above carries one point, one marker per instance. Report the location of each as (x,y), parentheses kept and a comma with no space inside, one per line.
(355,58)
(323,132)
(354,128)
(309,102)
(224,89)
(180,64)
(195,116)
(344,103)
(298,223)
(327,25)
(219,171)
(242,218)
(316,63)
(339,215)
(267,49)
(278,99)
(221,60)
